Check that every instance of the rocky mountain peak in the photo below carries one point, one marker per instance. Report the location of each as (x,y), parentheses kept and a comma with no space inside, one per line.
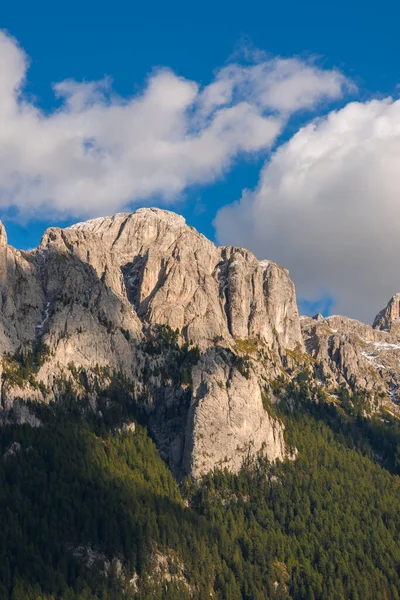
(388,319)
(318,317)
(141,293)
(172,275)
(102,224)
(105,295)
(131,231)
(361,357)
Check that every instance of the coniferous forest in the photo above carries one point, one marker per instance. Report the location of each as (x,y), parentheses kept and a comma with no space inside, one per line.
(89,510)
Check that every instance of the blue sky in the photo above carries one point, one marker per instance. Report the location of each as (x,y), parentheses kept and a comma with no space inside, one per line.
(127,41)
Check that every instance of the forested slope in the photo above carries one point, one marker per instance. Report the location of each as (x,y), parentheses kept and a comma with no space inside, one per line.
(89,510)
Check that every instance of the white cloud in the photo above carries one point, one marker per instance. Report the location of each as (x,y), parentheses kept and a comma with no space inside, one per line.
(100,153)
(328,208)
(283,85)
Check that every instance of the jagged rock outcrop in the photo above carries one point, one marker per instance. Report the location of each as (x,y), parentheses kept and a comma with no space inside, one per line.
(388,319)
(346,351)
(173,275)
(91,294)
(86,304)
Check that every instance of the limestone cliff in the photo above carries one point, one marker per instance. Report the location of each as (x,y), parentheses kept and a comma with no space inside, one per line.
(89,300)
(388,319)
(220,407)
(196,332)
(347,352)
(172,275)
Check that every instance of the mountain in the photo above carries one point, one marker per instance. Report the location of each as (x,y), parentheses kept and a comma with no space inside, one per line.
(126,294)
(171,427)
(358,356)
(94,297)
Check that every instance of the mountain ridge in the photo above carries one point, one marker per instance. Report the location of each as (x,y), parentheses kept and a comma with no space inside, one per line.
(98,291)
(185,434)
(132,293)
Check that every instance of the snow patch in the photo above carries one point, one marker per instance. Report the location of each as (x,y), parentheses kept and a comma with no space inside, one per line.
(386,345)
(371,358)
(264,264)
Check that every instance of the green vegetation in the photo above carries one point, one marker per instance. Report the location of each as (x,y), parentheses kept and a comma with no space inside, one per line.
(242,364)
(178,360)
(246,346)
(76,483)
(21,368)
(126,334)
(325,526)
(300,357)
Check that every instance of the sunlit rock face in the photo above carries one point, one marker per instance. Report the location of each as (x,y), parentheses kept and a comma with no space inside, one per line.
(224,428)
(388,319)
(348,352)
(92,293)
(84,305)
(173,275)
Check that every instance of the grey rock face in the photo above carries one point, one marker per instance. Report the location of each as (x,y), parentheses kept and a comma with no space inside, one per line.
(89,293)
(173,275)
(227,424)
(12,450)
(21,297)
(354,354)
(281,303)
(388,319)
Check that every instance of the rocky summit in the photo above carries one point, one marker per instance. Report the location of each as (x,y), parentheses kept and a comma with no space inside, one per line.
(102,297)
(361,357)
(195,333)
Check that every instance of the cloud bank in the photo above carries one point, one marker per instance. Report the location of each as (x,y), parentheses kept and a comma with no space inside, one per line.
(328,208)
(99,153)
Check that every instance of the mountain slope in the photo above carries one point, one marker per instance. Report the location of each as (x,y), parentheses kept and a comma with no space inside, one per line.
(92,512)
(105,297)
(347,352)
(273,467)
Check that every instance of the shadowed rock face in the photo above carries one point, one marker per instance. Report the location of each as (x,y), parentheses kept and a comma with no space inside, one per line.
(21,297)
(91,292)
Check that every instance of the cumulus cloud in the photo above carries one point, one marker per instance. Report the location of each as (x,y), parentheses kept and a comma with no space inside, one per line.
(327,207)
(283,85)
(99,153)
